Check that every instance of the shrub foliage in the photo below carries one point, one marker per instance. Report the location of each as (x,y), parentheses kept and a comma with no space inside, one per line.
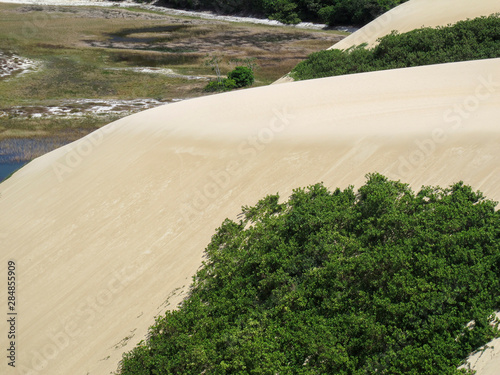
(466,40)
(225,84)
(242,76)
(382,281)
(239,77)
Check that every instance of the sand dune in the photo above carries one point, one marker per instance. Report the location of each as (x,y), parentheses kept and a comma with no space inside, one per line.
(103,230)
(412,15)
(415,14)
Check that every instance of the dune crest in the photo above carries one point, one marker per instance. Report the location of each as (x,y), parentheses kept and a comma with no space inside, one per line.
(412,15)
(415,14)
(105,229)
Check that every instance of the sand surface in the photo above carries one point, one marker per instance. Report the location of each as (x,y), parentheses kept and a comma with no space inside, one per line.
(103,230)
(415,14)
(107,229)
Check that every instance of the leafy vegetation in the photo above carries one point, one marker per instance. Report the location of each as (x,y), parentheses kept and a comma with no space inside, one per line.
(332,12)
(242,76)
(383,281)
(239,77)
(466,40)
(225,84)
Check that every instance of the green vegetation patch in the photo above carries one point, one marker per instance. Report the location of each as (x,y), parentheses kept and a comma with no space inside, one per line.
(466,40)
(239,77)
(382,280)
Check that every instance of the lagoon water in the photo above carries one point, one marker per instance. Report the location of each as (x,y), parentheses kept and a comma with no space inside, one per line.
(15,153)
(6,169)
(11,157)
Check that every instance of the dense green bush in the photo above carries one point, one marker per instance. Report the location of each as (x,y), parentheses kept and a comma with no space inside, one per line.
(332,12)
(466,40)
(242,76)
(382,281)
(225,84)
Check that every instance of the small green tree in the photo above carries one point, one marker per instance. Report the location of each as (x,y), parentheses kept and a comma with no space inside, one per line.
(242,75)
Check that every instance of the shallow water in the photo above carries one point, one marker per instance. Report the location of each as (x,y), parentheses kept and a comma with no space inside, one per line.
(16,152)
(8,168)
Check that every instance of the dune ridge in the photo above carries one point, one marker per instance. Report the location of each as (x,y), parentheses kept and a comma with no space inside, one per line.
(412,15)
(105,229)
(415,14)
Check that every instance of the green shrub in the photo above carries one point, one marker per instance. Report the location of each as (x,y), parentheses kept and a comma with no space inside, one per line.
(225,84)
(242,76)
(214,86)
(466,40)
(282,10)
(382,280)
(230,84)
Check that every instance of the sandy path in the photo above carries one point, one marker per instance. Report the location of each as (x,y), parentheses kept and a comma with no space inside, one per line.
(105,229)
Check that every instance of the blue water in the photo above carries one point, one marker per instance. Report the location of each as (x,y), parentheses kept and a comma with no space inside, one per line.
(6,169)
(15,153)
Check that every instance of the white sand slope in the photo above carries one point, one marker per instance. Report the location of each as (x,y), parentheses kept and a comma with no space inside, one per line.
(103,230)
(415,14)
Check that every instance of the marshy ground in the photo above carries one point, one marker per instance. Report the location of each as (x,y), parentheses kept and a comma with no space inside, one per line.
(123,60)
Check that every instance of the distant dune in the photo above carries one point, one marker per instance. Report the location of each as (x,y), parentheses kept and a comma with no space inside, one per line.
(415,14)
(105,229)
(412,15)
